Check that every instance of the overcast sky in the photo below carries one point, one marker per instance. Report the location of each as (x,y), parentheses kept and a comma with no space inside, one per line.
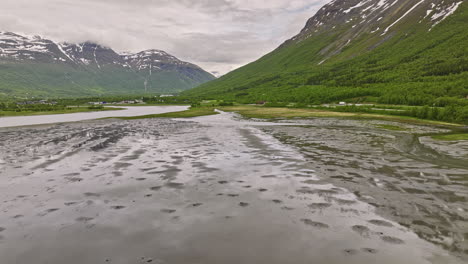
(218,35)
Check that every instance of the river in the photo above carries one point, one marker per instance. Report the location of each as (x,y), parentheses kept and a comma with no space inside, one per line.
(13,121)
(222,189)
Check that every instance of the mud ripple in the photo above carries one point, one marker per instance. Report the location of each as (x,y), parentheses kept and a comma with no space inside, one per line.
(319,206)
(392,240)
(168,211)
(117,207)
(362,230)
(314,223)
(380,223)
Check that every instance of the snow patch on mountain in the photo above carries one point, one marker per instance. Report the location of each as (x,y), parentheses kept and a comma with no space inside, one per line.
(95,59)
(59,45)
(356,6)
(400,18)
(153,59)
(442,14)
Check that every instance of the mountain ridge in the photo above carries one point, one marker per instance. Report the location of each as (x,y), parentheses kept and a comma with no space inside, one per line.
(376,17)
(148,71)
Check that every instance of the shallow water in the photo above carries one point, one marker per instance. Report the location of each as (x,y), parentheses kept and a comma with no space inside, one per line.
(13,121)
(218,189)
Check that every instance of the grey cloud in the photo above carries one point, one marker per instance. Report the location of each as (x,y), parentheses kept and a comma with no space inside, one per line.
(231,48)
(218,35)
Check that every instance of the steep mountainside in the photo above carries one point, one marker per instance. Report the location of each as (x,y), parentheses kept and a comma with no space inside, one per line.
(33,66)
(389,51)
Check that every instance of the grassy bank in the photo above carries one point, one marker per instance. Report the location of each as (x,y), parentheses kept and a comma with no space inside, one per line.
(451,137)
(56,112)
(252,111)
(391,127)
(192,112)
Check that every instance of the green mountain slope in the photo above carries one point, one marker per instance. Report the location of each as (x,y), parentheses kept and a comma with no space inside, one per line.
(62,80)
(406,52)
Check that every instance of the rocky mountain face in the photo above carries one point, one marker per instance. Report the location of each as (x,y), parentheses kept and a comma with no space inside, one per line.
(149,62)
(379,19)
(388,51)
(91,54)
(45,64)
(20,48)
(377,16)
(156,59)
(14,47)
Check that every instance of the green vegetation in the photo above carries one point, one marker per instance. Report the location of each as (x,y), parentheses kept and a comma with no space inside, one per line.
(46,107)
(35,79)
(192,112)
(122,99)
(451,137)
(449,113)
(391,127)
(251,111)
(280,112)
(414,66)
(11,107)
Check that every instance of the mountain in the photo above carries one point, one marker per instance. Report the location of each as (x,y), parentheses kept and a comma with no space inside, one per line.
(33,66)
(389,51)
(157,65)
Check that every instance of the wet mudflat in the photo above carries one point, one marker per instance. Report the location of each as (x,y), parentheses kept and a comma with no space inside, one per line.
(221,190)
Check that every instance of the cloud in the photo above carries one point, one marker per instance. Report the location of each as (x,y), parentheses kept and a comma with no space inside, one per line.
(218,35)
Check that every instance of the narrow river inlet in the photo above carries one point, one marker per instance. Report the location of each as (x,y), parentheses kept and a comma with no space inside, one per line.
(223,189)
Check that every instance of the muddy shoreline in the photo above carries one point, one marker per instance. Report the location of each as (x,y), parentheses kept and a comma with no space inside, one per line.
(220,189)
(419,182)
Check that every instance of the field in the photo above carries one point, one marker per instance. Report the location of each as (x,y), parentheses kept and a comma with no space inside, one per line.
(451,137)
(252,111)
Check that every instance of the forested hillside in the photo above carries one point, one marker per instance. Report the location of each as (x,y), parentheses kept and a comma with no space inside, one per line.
(406,54)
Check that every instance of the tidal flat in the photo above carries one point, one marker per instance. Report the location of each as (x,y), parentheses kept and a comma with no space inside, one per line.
(223,189)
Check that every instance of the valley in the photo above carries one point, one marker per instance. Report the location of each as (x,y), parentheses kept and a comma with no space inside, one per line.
(421,60)
(344,143)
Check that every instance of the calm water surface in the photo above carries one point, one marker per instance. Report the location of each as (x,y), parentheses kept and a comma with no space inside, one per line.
(13,121)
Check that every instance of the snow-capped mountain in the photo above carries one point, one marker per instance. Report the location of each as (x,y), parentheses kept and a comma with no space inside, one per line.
(149,62)
(22,48)
(378,18)
(152,70)
(34,48)
(91,54)
(153,59)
